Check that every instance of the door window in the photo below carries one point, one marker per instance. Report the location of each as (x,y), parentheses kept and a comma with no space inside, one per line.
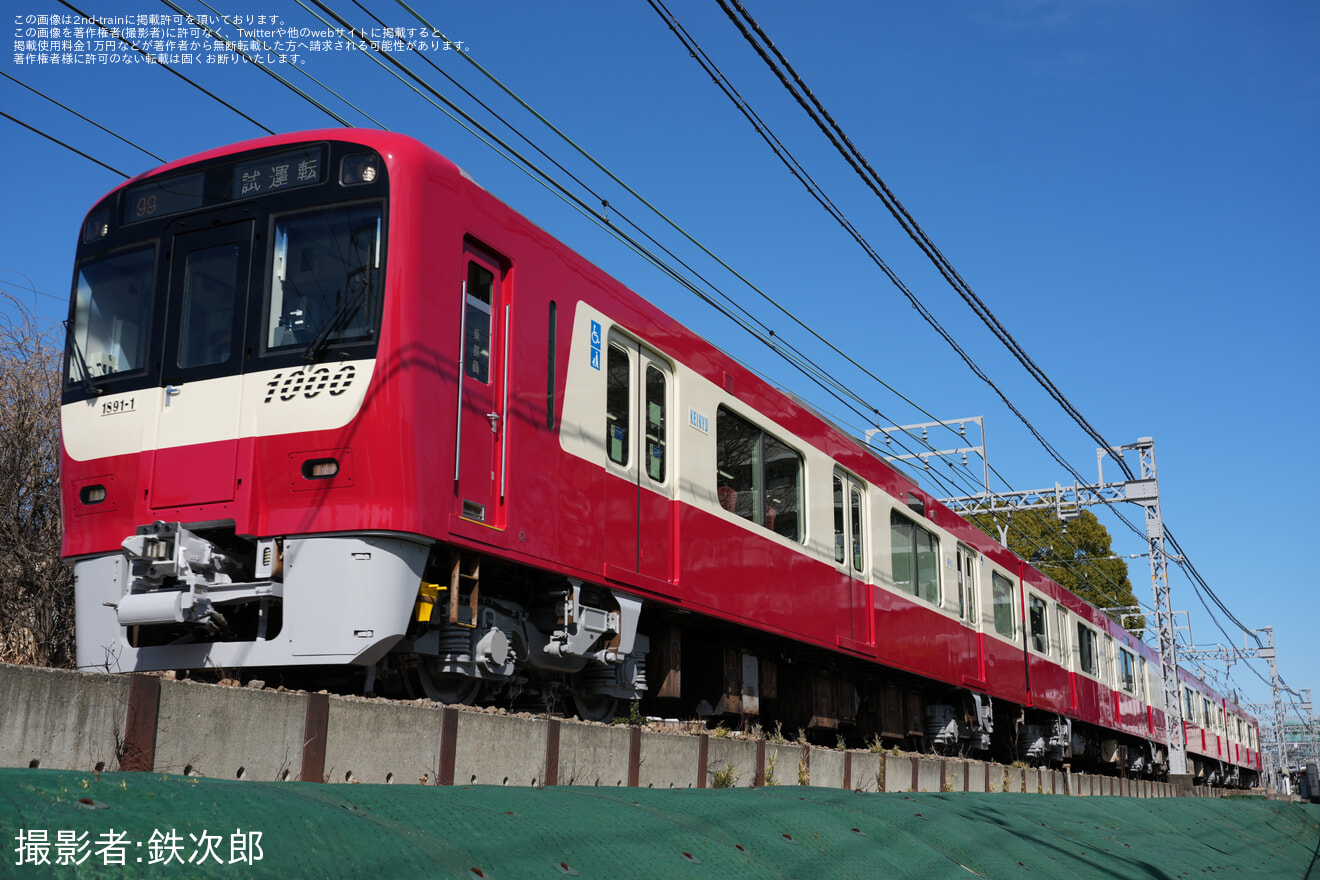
(656,444)
(210,288)
(618,397)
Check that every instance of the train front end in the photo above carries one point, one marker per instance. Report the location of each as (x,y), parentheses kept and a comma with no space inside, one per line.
(218,476)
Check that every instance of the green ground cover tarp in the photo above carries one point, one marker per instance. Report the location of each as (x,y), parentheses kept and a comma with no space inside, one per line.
(155,824)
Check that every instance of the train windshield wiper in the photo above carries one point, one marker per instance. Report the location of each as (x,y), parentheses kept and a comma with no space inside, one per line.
(358,284)
(358,296)
(73,351)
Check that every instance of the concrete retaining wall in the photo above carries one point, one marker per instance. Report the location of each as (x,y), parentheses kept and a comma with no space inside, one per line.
(87,721)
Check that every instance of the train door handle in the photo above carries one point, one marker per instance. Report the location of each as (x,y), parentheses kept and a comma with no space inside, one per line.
(494,421)
(170,391)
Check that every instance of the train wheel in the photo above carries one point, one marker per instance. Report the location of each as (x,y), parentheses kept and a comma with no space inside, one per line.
(446,687)
(595,707)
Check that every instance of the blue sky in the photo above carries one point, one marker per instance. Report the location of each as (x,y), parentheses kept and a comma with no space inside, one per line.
(1130,186)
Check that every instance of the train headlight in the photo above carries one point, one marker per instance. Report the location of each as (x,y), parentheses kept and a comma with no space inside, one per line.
(97,227)
(92,494)
(358,169)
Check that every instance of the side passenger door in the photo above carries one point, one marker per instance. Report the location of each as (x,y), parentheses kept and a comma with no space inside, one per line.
(850,552)
(480,458)
(639,515)
(969,611)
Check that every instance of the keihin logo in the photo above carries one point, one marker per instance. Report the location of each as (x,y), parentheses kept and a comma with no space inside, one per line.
(310,382)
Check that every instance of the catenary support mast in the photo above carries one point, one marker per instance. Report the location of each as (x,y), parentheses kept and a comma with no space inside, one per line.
(1145,491)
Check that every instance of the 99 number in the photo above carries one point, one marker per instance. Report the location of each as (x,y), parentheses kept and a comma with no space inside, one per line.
(146,206)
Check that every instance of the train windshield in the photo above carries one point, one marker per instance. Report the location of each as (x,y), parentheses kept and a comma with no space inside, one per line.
(260,261)
(325,282)
(112,314)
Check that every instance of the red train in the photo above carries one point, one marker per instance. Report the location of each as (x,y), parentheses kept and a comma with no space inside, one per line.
(331,403)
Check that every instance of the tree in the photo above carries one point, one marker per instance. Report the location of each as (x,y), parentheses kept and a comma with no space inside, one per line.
(1075,554)
(36,588)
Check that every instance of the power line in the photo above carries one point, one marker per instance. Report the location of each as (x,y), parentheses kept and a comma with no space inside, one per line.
(83,118)
(63,144)
(844,145)
(814,372)
(238,50)
(854,157)
(165,66)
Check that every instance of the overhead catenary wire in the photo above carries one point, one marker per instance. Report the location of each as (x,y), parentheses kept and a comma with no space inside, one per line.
(858,162)
(779,341)
(822,378)
(68,147)
(827,381)
(873,180)
(914,230)
(816,374)
(164,66)
(264,68)
(234,24)
(82,117)
(664,217)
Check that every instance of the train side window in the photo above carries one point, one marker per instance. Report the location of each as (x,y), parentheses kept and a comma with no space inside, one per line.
(1040,638)
(655,424)
(915,557)
(1189,706)
(1086,648)
(1142,686)
(1127,671)
(1001,589)
(618,393)
(758,477)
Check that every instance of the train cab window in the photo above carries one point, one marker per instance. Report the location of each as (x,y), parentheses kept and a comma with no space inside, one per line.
(210,286)
(1127,671)
(655,424)
(111,313)
(1001,589)
(325,285)
(758,477)
(1086,649)
(618,392)
(1036,618)
(915,557)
